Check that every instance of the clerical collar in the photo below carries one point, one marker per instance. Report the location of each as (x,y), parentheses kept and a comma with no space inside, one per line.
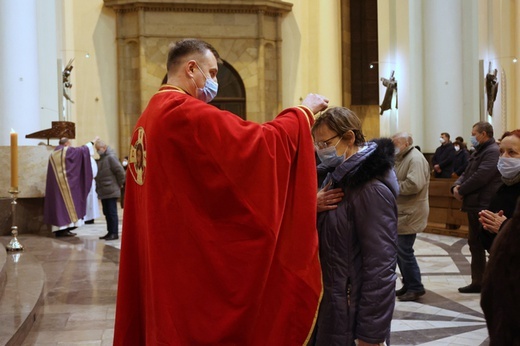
(169,87)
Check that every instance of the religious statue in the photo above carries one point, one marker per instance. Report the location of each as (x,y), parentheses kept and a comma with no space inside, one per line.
(491,89)
(66,83)
(391,85)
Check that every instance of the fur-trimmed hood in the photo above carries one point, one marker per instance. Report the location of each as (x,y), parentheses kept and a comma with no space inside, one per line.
(373,161)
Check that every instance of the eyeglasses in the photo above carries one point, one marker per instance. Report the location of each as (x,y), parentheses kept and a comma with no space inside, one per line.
(324,144)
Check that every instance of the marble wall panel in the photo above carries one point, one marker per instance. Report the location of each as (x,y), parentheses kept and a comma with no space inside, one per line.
(32,170)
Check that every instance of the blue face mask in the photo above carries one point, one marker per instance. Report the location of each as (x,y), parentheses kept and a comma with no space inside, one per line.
(329,157)
(474,141)
(209,91)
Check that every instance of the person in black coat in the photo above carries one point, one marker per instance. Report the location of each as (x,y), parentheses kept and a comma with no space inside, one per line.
(503,202)
(443,158)
(500,300)
(461,159)
(475,188)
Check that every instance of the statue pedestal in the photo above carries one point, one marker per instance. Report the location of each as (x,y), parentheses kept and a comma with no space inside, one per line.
(32,161)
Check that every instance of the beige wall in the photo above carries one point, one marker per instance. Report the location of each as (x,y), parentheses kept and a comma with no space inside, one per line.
(311,48)
(311,61)
(90,28)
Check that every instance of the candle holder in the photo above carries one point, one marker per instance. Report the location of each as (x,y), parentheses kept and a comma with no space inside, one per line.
(14,244)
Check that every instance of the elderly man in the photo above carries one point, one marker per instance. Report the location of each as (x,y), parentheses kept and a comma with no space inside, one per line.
(69,179)
(109,181)
(220,243)
(413,175)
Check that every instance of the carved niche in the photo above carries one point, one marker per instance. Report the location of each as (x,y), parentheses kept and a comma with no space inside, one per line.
(246,33)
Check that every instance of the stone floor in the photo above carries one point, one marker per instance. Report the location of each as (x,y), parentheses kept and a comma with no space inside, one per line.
(81,283)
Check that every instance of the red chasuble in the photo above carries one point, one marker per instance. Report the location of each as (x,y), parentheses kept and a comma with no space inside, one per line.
(219,242)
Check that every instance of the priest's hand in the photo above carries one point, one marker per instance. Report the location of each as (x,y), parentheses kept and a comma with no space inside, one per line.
(95,139)
(316,103)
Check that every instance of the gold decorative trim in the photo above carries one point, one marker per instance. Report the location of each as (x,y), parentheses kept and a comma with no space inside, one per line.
(268,8)
(308,113)
(57,160)
(317,309)
(168,88)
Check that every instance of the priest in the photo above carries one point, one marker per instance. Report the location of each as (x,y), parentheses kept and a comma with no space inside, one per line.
(219,242)
(69,178)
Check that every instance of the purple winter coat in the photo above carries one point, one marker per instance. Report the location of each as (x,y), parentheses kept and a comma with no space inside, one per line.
(358,250)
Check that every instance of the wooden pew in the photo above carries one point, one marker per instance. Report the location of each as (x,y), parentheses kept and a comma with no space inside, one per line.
(445,215)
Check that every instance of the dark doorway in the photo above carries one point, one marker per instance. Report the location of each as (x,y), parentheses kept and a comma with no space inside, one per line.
(231,92)
(364,52)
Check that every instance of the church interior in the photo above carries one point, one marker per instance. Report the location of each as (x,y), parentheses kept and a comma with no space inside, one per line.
(81,69)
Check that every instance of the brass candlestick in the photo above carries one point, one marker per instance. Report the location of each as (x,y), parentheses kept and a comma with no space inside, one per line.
(14,244)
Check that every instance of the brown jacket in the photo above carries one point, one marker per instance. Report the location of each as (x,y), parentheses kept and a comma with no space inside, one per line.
(413,175)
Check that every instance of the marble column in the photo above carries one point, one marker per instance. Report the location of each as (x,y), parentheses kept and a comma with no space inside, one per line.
(443,83)
(433,47)
(19,81)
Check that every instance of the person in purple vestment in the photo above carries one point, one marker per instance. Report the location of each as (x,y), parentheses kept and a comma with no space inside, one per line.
(69,179)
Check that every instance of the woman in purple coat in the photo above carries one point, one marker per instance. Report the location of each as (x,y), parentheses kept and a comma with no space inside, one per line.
(358,238)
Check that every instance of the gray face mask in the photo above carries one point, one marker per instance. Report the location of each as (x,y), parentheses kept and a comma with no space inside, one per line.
(329,157)
(101,152)
(474,141)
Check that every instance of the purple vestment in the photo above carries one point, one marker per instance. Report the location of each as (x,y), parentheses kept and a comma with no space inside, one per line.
(69,178)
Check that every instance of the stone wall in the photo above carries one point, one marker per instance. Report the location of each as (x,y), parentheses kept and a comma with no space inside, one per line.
(247,35)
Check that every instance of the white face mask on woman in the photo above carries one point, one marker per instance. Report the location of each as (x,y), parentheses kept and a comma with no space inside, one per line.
(509,167)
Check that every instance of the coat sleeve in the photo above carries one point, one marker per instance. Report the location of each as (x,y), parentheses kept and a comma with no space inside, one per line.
(486,169)
(376,225)
(117,169)
(416,178)
(448,156)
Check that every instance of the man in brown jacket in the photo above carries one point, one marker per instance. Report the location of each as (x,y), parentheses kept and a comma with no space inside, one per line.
(413,175)
(109,180)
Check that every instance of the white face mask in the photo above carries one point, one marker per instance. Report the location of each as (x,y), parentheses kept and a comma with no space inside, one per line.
(509,167)
(457,148)
(441,140)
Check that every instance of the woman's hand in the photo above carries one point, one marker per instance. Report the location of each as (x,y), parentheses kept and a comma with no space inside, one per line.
(491,221)
(329,199)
